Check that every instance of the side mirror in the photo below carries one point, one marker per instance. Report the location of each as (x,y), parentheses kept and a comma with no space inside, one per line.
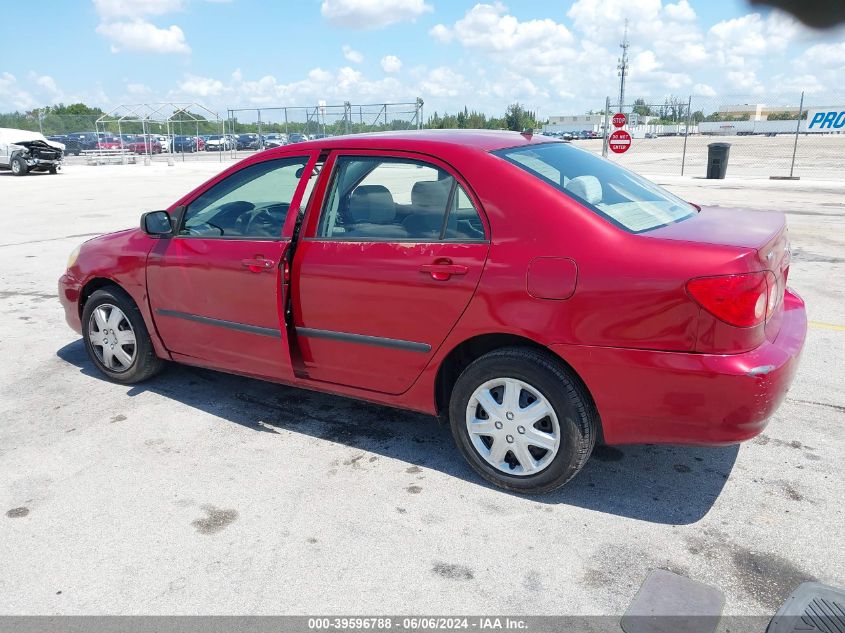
(156,223)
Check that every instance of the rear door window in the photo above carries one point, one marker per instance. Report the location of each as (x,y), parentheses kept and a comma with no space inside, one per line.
(396,199)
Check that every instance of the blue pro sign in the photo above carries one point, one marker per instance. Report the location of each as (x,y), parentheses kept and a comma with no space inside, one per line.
(826,120)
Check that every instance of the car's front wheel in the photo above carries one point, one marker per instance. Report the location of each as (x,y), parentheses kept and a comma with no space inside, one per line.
(116,337)
(18,166)
(522,420)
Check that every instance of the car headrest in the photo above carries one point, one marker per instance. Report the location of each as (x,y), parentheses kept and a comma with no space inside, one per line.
(588,188)
(431,194)
(372,203)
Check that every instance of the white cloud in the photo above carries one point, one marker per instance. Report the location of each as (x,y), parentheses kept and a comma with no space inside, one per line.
(12,96)
(644,63)
(443,82)
(603,20)
(823,56)
(751,36)
(137,89)
(114,9)
(790,86)
(703,90)
(441,32)
(744,82)
(682,11)
(489,27)
(352,55)
(197,86)
(391,64)
(538,45)
(372,14)
(48,83)
(139,35)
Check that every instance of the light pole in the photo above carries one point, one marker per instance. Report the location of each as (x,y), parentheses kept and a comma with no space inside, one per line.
(623,66)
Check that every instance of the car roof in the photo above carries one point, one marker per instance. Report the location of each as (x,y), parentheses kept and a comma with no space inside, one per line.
(484,140)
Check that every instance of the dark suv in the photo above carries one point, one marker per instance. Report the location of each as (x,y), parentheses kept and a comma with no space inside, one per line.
(248,141)
(72,145)
(185,144)
(86,140)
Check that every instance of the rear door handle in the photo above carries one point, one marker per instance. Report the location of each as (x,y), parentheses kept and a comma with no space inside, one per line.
(258,264)
(443,270)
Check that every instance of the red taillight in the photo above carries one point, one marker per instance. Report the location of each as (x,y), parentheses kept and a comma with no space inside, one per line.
(738,300)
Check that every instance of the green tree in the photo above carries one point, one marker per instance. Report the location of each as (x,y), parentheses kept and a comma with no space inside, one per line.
(641,108)
(517,118)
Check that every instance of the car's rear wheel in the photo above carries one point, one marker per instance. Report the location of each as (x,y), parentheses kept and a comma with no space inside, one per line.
(19,167)
(522,420)
(116,337)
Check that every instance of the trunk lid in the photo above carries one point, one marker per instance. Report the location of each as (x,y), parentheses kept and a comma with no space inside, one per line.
(762,232)
(725,226)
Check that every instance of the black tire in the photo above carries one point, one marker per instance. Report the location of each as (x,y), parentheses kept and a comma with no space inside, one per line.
(54,170)
(573,407)
(145,363)
(18,166)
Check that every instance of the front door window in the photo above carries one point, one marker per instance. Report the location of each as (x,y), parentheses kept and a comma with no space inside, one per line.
(250,204)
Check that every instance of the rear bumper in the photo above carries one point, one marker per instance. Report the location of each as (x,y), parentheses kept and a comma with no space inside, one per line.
(69,291)
(685,398)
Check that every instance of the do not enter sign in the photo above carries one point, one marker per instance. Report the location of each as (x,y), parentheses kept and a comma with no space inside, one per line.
(619,119)
(619,142)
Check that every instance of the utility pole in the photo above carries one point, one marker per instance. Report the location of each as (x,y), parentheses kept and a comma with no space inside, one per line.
(623,66)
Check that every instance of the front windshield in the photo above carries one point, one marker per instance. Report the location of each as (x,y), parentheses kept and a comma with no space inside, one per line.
(626,199)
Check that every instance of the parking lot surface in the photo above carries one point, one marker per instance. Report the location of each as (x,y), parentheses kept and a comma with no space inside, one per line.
(204,493)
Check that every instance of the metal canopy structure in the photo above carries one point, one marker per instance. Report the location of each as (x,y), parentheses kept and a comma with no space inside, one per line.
(169,118)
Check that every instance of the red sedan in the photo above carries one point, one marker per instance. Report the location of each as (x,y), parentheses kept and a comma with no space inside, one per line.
(110,142)
(536,296)
(142,146)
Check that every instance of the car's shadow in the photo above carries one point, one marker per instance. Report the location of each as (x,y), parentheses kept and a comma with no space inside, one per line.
(659,484)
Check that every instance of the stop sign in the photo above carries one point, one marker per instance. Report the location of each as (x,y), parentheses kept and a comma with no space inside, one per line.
(619,119)
(619,142)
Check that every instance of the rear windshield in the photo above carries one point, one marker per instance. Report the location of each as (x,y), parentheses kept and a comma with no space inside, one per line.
(625,199)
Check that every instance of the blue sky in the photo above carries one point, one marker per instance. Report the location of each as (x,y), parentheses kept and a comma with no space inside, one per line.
(556,57)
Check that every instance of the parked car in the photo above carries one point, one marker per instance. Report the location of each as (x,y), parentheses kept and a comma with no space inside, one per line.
(142,145)
(275,140)
(186,144)
(218,142)
(650,135)
(296,137)
(248,141)
(109,142)
(23,151)
(414,279)
(86,140)
(72,146)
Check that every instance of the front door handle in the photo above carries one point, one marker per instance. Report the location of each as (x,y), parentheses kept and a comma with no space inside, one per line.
(441,270)
(258,264)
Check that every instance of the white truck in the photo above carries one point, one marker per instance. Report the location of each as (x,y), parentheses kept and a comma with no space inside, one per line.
(23,151)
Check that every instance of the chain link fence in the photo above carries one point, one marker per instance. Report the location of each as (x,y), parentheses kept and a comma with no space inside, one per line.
(802,136)
(251,128)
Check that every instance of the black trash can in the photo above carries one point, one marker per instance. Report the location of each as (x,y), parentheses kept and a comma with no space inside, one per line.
(717,159)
